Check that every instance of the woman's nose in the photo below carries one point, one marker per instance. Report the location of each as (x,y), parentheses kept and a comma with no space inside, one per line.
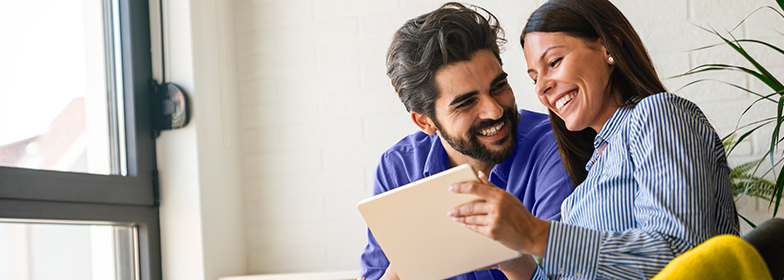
(543,86)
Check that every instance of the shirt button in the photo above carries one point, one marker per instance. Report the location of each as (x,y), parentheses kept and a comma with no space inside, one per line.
(578,274)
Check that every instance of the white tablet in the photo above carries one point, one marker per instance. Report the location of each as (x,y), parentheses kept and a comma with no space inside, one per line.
(419,239)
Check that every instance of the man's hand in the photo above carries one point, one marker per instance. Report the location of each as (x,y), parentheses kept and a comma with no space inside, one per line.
(501,217)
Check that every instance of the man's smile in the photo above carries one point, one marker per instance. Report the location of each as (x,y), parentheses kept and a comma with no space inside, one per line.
(490,131)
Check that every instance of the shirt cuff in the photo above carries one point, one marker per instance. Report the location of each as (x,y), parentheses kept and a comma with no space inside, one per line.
(571,251)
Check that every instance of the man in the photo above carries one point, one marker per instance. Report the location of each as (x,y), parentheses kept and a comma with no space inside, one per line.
(446,68)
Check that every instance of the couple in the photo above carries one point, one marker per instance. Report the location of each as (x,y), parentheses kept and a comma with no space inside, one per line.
(650,174)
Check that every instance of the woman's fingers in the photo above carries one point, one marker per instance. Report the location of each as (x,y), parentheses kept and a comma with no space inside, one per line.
(479,220)
(487,191)
(501,217)
(470,209)
(475,188)
(482,177)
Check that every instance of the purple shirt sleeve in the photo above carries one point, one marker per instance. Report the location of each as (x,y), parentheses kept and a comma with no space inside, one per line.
(374,262)
(552,185)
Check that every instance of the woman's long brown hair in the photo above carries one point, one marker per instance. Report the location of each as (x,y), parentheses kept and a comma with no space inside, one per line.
(634,74)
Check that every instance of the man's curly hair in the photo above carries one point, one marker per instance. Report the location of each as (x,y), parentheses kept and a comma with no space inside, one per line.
(451,33)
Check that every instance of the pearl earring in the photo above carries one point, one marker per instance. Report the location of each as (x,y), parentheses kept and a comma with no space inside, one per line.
(611,60)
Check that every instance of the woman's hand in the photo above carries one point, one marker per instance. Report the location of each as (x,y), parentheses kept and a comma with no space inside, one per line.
(501,217)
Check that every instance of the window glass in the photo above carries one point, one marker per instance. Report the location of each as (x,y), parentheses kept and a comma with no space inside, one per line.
(39,251)
(57,76)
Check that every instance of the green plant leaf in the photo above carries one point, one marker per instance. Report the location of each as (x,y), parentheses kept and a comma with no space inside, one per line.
(743,136)
(777,193)
(752,225)
(781,5)
(770,80)
(748,185)
(766,97)
(777,49)
(765,120)
(717,67)
(740,170)
(776,130)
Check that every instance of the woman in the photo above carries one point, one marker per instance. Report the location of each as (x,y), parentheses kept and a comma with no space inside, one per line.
(651,173)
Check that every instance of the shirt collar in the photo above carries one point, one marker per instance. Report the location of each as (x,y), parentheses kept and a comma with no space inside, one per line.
(611,127)
(615,122)
(437,159)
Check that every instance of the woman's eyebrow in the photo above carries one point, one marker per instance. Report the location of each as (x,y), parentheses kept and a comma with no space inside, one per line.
(544,54)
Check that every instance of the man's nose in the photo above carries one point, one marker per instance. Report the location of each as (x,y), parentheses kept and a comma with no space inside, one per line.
(490,109)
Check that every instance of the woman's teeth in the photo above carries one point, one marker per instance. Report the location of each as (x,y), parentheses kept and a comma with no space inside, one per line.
(492,130)
(561,102)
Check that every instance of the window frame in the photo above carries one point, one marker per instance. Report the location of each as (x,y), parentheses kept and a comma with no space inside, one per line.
(54,196)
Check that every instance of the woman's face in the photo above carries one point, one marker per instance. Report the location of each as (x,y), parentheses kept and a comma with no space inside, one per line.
(571,77)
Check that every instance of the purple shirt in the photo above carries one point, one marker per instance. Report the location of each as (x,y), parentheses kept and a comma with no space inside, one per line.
(534,174)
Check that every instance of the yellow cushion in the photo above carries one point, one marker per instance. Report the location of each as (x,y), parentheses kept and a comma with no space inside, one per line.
(721,257)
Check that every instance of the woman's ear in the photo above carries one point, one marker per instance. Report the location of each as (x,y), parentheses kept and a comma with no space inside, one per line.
(424,123)
(603,48)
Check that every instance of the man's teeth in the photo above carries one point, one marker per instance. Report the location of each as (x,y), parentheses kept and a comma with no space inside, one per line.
(492,130)
(561,102)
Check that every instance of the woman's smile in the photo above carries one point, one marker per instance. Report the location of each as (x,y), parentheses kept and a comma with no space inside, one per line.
(565,100)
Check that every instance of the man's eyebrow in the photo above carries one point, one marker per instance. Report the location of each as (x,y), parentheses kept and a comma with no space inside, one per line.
(463,97)
(499,78)
(544,54)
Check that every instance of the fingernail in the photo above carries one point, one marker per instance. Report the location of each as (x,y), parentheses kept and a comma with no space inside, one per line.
(494,267)
(451,213)
(451,188)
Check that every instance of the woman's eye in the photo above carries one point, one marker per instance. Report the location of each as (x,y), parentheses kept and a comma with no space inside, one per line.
(555,62)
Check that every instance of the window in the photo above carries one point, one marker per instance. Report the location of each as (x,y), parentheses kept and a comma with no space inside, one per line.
(77,154)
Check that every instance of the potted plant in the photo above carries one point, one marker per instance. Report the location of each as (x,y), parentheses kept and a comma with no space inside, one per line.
(748,178)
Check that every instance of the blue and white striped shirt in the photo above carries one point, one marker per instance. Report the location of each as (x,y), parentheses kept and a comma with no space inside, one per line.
(660,187)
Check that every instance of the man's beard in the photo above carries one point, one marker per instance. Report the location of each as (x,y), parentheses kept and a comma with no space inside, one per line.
(473,148)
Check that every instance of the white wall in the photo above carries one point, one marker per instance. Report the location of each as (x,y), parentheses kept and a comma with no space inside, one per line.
(201,212)
(316,110)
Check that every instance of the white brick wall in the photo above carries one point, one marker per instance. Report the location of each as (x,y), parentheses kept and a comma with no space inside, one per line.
(317,109)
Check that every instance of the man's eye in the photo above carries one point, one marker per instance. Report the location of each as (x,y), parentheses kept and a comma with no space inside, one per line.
(555,62)
(465,104)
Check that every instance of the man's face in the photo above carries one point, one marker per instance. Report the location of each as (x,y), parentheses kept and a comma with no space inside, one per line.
(476,112)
